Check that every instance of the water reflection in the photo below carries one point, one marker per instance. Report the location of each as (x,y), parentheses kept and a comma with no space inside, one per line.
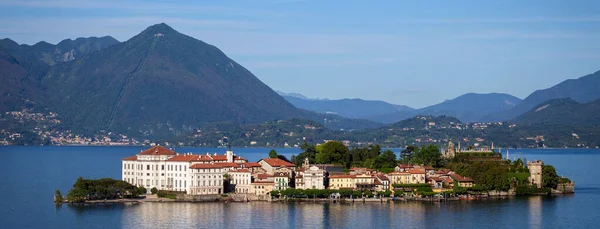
(535,211)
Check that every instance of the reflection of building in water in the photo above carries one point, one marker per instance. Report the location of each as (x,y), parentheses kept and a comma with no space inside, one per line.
(180,215)
(535,171)
(535,211)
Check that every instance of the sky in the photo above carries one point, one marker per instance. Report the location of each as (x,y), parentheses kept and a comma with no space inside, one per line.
(414,53)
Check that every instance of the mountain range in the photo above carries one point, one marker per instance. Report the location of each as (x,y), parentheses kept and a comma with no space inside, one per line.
(162,83)
(470,107)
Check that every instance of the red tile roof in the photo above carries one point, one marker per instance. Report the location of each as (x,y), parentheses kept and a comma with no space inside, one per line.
(205,166)
(228,164)
(438,179)
(157,150)
(262,176)
(460,178)
(251,164)
(276,162)
(406,166)
(417,171)
(382,177)
(377,182)
(132,158)
(184,157)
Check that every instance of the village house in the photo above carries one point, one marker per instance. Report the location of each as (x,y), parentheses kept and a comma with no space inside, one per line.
(382,183)
(417,176)
(262,188)
(282,180)
(271,165)
(403,168)
(399,178)
(465,182)
(342,182)
(365,182)
(240,180)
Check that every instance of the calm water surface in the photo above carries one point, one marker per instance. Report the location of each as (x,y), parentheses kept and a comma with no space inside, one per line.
(31,174)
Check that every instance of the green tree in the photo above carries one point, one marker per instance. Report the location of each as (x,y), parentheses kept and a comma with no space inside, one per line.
(272,154)
(58,198)
(549,177)
(407,154)
(386,160)
(332,152)
(153,190)
(428,155)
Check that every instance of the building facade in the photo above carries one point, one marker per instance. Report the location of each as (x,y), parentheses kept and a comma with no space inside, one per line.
(162,168)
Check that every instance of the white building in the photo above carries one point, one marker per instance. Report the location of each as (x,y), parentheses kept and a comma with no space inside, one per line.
(240,180)
(164,169)
(310,177)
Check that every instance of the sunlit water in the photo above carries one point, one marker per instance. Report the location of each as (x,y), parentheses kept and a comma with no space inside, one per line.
(31,174)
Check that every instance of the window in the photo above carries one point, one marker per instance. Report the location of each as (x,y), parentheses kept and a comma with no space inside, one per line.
(162,167)
(147,167)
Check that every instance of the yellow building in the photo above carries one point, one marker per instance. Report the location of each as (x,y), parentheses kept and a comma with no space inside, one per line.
(399,178)
(261,188)
(342,182)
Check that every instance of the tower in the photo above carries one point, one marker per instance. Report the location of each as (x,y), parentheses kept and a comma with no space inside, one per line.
(535,171)
(229,154)
(450,151)
(306,163)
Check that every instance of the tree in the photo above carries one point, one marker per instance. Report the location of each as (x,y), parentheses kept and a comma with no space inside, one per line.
(386,160)
(407,154)
(549,177)
(428,155)
(272,154)
(332,152)
(58,198)
(153,190)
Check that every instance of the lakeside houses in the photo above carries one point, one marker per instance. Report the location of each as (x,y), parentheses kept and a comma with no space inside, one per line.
(205,174)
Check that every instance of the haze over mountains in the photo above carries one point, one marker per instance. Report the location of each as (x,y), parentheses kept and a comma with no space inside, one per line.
(162,83)
(470,107)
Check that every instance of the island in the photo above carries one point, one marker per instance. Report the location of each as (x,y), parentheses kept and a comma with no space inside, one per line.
(326,172)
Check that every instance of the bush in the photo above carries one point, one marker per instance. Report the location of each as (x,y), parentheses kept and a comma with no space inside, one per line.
(153,190)
(142,190)
(166,194)
(58,198)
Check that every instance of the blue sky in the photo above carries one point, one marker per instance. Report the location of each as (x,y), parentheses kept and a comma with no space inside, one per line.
(414,53)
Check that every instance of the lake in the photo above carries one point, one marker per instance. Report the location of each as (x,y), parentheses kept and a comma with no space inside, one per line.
(31,174)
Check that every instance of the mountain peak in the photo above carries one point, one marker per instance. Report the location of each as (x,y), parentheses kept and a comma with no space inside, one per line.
(161,28)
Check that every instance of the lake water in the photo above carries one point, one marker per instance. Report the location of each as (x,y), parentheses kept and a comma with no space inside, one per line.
(31,174)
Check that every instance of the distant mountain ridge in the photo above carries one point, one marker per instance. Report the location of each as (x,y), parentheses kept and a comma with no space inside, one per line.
(349,108)
(584,89)
(473,107)
(470,107)
(562,112)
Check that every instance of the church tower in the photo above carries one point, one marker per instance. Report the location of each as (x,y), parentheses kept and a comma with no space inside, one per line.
(306,163)
(229,155)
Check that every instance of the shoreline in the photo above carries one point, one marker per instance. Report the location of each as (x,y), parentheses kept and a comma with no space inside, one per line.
(466,198)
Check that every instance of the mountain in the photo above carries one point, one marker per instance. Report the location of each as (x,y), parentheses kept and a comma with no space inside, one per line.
(296,95)
(37,59)
(348,108)
(582,90)
(160,83)
(17,87)
(472,107)
(562,112)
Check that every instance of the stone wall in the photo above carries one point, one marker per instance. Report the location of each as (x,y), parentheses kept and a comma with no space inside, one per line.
(198,198)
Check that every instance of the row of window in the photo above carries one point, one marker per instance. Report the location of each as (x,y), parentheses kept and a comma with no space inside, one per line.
(156,167)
